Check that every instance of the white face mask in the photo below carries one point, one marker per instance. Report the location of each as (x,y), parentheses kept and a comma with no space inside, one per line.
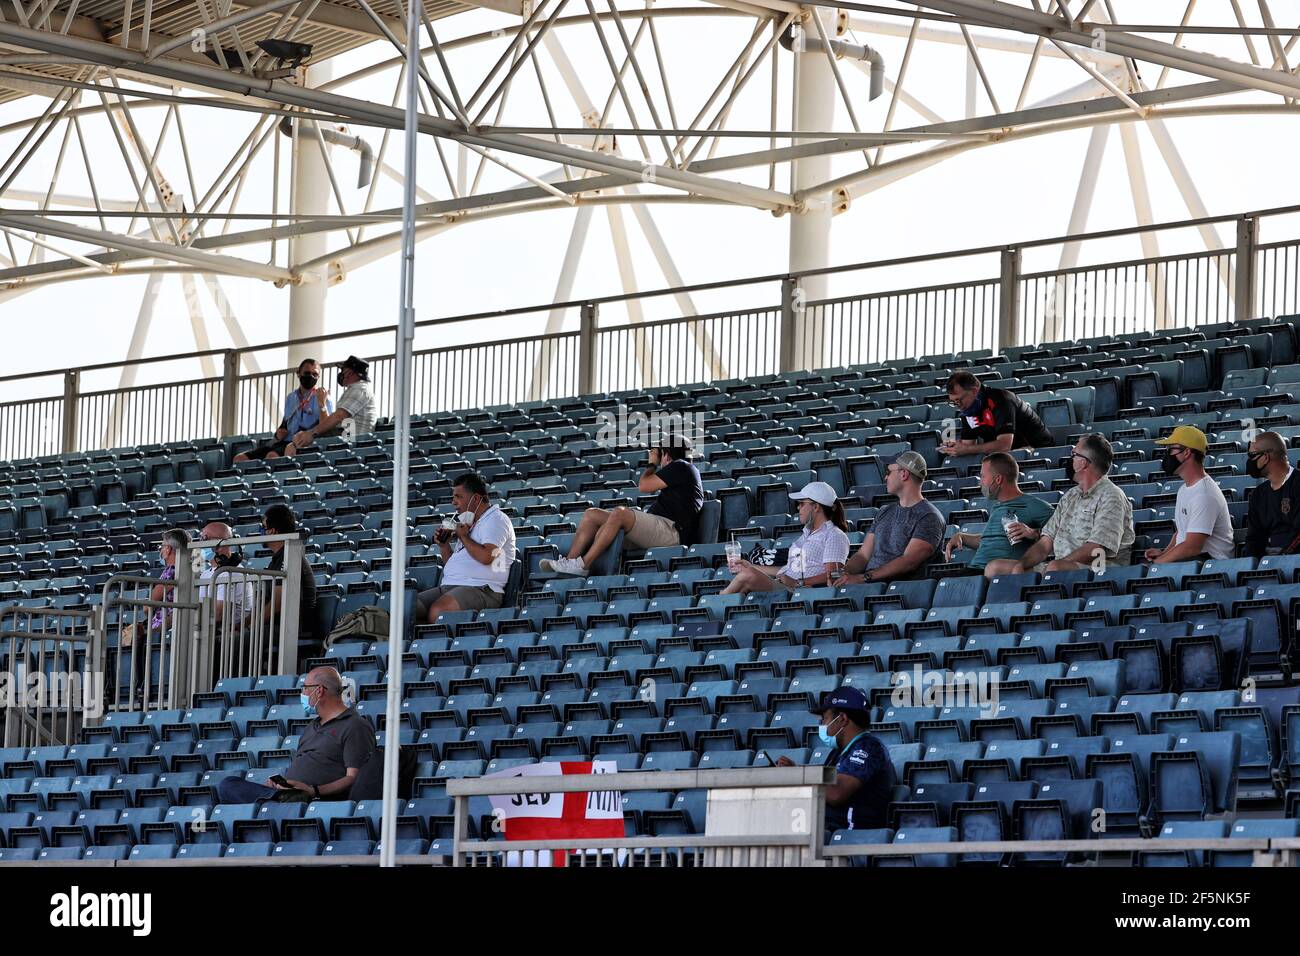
(467,517)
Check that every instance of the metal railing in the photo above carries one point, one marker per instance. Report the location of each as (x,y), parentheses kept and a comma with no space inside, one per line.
(964,299)
(799,844)
(53,686)
(208,624)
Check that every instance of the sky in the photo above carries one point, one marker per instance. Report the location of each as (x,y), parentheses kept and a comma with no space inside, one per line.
(997,194)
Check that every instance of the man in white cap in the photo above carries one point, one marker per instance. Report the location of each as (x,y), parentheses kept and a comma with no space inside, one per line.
(820,550)
(904,535)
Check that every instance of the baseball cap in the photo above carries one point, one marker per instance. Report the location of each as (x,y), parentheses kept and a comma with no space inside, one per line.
(910,461)
(843,698)
(1188,436)
(360,366)
(817,491)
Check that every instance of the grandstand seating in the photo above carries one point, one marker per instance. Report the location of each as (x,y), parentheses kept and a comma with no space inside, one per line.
(1124,689)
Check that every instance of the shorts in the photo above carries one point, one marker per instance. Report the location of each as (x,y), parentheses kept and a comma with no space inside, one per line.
(261,451)
(651,531)
(469,597)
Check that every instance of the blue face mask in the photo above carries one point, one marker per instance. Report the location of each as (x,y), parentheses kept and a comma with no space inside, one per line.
(208,554)
(306,703)
(827,738)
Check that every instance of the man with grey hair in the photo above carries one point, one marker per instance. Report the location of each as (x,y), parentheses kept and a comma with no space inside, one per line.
(333,747)
(1273,519)
(1092,522)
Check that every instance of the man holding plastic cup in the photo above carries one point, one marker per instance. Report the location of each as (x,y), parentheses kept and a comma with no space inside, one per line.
(823,546)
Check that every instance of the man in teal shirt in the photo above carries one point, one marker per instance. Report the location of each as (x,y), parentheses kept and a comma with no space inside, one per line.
(999,483)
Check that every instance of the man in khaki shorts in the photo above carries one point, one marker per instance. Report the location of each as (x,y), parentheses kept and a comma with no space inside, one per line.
(671,520)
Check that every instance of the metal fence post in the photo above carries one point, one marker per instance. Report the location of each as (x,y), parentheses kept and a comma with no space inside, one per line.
(290,595)
(587,348)
(229,394)
(1008,331)
(791,306)
(71,399)
(1244,287)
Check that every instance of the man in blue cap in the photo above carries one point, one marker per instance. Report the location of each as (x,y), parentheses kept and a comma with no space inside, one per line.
(864,774)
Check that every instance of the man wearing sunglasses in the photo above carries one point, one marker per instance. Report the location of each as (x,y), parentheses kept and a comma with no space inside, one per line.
(1093,522)
(1204,526)
(1273,521)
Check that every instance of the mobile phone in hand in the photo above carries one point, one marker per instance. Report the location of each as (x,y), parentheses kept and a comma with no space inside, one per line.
(279,781)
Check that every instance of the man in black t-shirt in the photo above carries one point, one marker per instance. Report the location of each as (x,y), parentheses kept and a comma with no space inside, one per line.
(1273,516)
(992,419)
(671,520)
(279,519)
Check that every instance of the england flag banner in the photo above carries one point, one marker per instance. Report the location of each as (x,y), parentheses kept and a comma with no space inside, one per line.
(545,816)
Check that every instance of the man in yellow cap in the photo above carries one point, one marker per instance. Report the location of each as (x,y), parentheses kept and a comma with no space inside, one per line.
(1201,514)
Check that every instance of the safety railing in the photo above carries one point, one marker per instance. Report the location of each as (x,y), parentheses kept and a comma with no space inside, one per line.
(164,642)
(140,633)
(53,686)
(797,843)
(1072,287)
(1140,295)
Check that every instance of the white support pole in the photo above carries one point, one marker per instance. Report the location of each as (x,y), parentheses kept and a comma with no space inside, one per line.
(1078,222)
(311,196)
(810,223)
(401,447)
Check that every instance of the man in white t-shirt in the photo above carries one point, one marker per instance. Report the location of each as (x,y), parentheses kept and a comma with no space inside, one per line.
(234,592)
(1201,514)
(476,557)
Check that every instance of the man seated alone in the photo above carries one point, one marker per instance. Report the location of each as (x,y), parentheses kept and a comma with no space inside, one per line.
(904,535)
(864,774)
(1092,522)
(1201,520)
(476,557)
(992,419)
(671,519)
(333,747)
(355,414)
(999,483)
(1273,519)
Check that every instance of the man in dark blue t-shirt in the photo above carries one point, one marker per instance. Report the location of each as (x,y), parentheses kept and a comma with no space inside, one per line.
(864,774)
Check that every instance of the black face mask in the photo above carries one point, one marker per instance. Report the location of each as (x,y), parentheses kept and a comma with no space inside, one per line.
(1170,465)
(1253,468)
(1069,468)
(308,381)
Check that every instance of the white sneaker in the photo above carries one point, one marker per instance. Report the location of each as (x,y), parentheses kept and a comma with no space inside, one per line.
(564,566)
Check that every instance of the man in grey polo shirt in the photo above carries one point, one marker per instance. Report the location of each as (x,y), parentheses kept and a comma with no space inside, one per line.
(332,749)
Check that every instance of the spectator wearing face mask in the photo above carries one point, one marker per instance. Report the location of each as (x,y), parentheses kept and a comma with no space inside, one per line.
(815,558)
(233,594)
(1091,525)
(991,419)
(355,415)
(171,548)
(1012,514)
(1273,521)
(1201,516)
(476,555)
(280,519)
(332,749)
(303,409)
(858,799)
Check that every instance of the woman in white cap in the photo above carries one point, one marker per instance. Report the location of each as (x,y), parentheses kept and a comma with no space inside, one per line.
(821,549)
